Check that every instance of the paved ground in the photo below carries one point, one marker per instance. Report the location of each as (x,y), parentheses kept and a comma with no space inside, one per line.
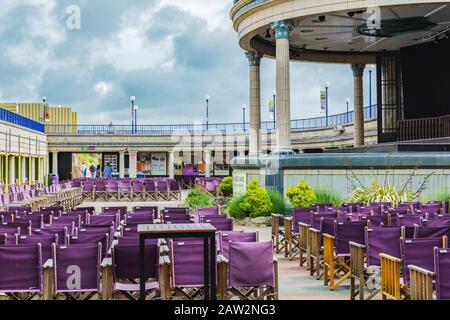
(294,281)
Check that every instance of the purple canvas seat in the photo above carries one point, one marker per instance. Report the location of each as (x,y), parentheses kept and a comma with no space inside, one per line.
(136,220)
(252,271)
(221,225)
(432,207)
(316,217)
(205,212)
(21,270)
(382,240)
(76,269)
(35,220)
(23,226)
(300,215)
(418,252)
(75,221)
(104,219)
(174,190)
(125,191)
(84,215)
(138,209)
(121,209)
(20,210)
(88,191)
(137,190)
(442,270)
(61,231)
(125,262)
(226,237)
(55,209)
(438,221)
(90,210)
(345,232)
(46,242)
(162,190)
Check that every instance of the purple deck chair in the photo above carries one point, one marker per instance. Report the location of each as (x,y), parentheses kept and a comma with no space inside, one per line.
(432,207)
(91,210)
(46,242)
(100,191)
(382,240)
(439,221)
(205,212)
(84,215)
(226,237)
(76,270)
(442,269)
(125,260)
(138,190)
(220,224)
(430,232)
(104,219)
(408,221)
(137,220)
(75,221)
(36,220)
(23,226)
(125,191)
(162,190)
(122,210)
(187,267)
(174,190)
(251,270)
(91,238)
(300,215)
(345,232)
(55,209)
(150,190)
(418,252)
(61,231)
(137,209)
(112,190)
(88,191)
(21,270)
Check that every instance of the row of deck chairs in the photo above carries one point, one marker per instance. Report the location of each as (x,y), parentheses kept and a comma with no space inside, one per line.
(136,190)
(52,254)
(379,249)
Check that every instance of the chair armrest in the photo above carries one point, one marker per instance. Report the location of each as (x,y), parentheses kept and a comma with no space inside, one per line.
(115,242)
(361,246)
(421,270)
(106,262)
(164,250)
(221,259)
(162,242)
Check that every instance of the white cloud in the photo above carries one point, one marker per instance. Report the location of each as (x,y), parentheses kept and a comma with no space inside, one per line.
(103,88)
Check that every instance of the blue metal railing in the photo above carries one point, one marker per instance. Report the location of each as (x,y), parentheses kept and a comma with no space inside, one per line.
(267,126)
(19,120)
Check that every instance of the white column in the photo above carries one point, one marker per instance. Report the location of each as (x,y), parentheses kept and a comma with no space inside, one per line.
(12,170)
(121,164)
(42,177)
(171,165)
(358,124)
(54,162)
(207,163)
(133,164)
(283,113)
(254,59)
(23,169)
(33,170)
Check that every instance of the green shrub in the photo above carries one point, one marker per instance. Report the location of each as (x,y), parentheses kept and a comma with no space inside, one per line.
(199,199)
(327,196)
(278,203)
(234,207)
(226,186)
(443,195)
(256,201)
(301,195)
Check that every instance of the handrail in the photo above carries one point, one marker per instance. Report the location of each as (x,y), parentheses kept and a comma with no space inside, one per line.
(266,126)
(19,120)
(425,128)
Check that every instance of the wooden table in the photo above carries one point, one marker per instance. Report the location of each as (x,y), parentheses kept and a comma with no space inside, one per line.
(198,230)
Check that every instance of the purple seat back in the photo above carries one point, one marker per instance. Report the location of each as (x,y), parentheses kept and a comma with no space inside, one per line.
(251,264)
(21,268)
(136,220)
(145,209)
(226,237)
(440,221)
(36,220)
(418,252)
(100,186)
(382,240)
(113,186)
(221,225)
(431,232)
(46,242)
(348,231)
(301,215)
(125,187)
(150,186)
(104,219)
(138,186)
(408,220)
(126,260)
(442,269)
(88,187)
(91,238)
(61,231)
(187,263)
(77,267)
(431,207)
(316,217)
(161,186)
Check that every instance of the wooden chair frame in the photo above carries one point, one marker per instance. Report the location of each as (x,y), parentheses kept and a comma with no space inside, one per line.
(314,253)
(278,238)
(291,248)
(331,274)
(303,244)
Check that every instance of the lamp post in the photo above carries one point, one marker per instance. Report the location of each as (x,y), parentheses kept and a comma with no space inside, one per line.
(370,90)
(44,99)
(244,106)
(207,98)
(347,101)
(327,85)
(132,99)
(274,109)
(135,118)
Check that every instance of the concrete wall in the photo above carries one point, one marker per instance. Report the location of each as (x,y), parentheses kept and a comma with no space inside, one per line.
(18,140)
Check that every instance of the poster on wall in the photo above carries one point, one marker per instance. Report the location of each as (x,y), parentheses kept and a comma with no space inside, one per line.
(158,162)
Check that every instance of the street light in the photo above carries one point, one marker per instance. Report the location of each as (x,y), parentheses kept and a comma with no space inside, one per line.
(44,99)
(207,98)
(327,85)
(274,109)
(370,90)
(135,118)
(347,101)
(132,99)
(244,106)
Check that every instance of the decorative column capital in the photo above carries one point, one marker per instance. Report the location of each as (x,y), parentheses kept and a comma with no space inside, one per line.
(358,69)
(254,58)
(282,28)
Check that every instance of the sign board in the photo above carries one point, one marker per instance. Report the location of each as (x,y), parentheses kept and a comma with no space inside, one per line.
(323,100)
(158,164)
(87,148)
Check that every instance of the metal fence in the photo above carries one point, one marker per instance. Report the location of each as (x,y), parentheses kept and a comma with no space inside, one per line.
(19,120)
(267,126)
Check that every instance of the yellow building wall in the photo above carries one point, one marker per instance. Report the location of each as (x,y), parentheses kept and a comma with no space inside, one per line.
(10,106)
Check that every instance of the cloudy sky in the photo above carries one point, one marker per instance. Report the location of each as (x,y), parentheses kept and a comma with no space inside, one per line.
(167,53)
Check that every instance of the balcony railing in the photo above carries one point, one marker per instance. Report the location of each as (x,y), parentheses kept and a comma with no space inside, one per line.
(19,120)
(426,128)
(266,126)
